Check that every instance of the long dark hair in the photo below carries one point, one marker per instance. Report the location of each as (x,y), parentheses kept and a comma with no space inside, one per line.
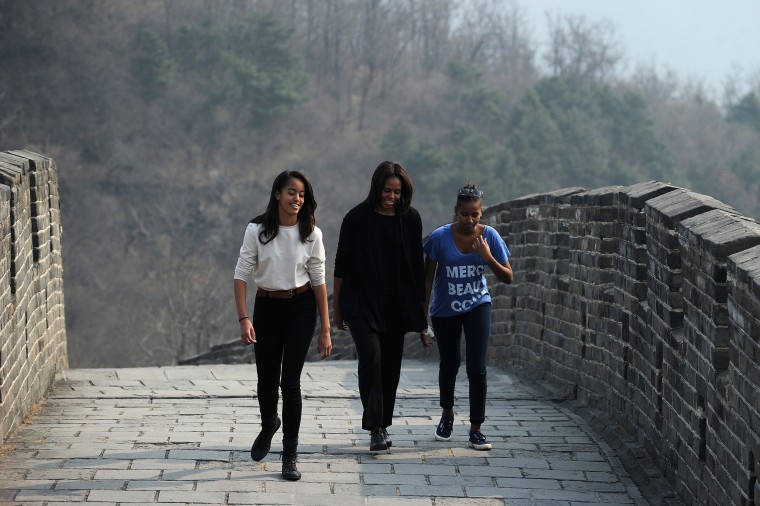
(383,172)
(270,220)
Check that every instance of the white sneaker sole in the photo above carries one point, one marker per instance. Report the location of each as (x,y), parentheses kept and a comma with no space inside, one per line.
(441,438)
(486,446)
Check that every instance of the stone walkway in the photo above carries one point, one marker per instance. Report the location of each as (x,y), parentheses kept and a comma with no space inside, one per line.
(182,435)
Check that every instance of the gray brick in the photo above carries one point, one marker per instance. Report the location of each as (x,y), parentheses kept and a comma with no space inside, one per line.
(122,496)
(194,497)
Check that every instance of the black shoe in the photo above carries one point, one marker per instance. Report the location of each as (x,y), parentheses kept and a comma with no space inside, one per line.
(387,437)
(289,471)
(377,440)
(444,429)
(263,441)
(479,441)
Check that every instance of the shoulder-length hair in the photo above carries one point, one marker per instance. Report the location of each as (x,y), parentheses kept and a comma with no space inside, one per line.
(270,220)
(383,172)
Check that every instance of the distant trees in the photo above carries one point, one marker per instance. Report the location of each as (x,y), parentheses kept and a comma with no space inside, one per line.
(590,133)
(152,65)
(246,66)
(586,51)
(746,111)
(169,119)
(187,319)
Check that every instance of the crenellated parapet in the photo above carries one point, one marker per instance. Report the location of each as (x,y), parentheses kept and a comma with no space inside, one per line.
(644,303)
(32,327)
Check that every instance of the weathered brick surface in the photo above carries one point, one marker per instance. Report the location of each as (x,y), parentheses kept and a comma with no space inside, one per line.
(32,328)
(645,302)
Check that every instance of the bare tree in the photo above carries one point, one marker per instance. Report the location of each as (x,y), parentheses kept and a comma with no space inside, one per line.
(189,316)
(583,49)
(493,35)
(435,26)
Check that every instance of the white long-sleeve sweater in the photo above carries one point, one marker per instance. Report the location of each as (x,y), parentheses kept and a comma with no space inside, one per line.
(283,263)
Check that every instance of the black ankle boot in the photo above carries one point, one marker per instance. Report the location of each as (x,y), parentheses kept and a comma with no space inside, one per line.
(289,470)
(377,441)
(263,441)
(289,458)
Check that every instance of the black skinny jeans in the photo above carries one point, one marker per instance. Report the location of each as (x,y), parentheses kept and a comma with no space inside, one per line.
(448,333)
(284,330)
(379,371)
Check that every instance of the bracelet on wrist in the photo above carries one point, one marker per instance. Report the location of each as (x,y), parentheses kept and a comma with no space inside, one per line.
(243,318)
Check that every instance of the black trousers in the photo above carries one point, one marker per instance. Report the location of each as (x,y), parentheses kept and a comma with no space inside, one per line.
(476,325)
(379,371)
(284,330)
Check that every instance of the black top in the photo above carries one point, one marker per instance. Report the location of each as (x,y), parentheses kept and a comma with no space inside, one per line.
(383,239)
(380,257)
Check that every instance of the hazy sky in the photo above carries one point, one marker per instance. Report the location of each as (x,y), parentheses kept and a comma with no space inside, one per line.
(701,39)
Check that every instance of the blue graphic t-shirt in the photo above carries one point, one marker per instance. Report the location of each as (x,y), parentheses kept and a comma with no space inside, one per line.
(460,281)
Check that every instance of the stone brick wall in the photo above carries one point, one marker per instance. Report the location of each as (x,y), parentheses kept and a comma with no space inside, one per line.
(644,303)
(32,328)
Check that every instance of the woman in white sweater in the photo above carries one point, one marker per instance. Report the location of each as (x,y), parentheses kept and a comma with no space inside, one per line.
(283,255)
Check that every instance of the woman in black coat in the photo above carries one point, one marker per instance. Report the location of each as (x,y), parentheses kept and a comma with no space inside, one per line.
(378,290)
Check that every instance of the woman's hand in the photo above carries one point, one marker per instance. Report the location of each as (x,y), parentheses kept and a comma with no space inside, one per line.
(480,246)
(247,334)
(426,340)
(324,345)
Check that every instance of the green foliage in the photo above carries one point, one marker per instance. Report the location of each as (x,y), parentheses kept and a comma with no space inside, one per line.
(582,134)
(535,143)
(747,164)
(747,112)
(244,65)
(477,101)
(152,66)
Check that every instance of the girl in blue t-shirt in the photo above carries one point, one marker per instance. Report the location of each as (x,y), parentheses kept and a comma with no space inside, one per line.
(457,257)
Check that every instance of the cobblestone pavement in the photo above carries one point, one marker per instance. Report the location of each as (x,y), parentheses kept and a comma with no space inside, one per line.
(183,435)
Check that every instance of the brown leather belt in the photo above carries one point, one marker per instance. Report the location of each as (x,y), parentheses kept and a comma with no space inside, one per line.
(282,294)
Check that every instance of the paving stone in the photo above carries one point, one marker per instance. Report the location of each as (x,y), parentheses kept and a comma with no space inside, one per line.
(159,485)
(528,483)
(127,474)
(62,474)
(394,479)
(462,481)
(565,495)
(182,435)
(28,484)
(90,484)
(555,474)
(508,493)
(198,497)
(30,495)
(469,501)
(122,496)
(431,491)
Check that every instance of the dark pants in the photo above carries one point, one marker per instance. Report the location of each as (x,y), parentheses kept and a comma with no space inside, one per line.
(379,371)
(284,330)
(448,333)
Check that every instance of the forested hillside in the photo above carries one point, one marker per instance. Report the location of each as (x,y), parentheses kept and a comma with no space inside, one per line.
(169,119)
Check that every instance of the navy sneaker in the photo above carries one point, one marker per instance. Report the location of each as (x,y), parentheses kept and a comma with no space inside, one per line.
(479,441)
(444,429)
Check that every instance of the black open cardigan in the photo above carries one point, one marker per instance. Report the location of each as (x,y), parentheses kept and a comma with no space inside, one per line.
(360,292)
